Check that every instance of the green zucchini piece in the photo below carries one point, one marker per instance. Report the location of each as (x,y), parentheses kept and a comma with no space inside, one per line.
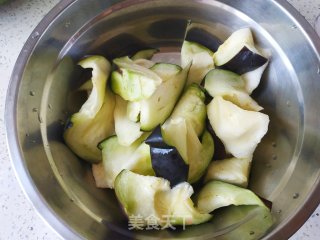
(127,130)
(230,86)
(94,121)
(116,157)
(132,81)
(239,130)
(238,53)
(144,54)
(217,194)
(177,205)
(201,59)
(232,170)
(156,109)
(136,193)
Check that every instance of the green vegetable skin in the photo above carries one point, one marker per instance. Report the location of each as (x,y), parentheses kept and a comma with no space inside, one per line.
(231,87)
(151,196)
(132,81)
(94,121)
(232,170)
(127,130)
(156,109)
(136,193)
(246,222)
(201,59)
(217,194)
(116,157)
(244,215)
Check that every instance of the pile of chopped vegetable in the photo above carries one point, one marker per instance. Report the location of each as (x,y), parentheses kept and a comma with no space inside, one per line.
(149,127)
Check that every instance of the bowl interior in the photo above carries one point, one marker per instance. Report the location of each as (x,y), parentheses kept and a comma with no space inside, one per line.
(285,168)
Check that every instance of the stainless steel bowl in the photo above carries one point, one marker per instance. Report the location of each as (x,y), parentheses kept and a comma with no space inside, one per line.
(286,164)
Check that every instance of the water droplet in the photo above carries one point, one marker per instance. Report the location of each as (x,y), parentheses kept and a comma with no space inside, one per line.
(32,93)
(274,157)
(268,165)
(294,26)
(67,24)
(251,232)
(288,103)
(40,119)
(274,144)
(295,196)
(27,134)
(279,211)
(33,141)
(34,109)
(35,35)
(50,106)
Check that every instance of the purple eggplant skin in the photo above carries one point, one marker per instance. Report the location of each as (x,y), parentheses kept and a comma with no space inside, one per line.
(166,160)
(204,38)
(167,163)
(244,61)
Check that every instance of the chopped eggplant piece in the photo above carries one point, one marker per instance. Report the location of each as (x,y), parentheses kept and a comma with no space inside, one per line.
(158,107)
(238,53)
(136,193)
(166,70)
(168,57)
(127,131)
(133,111)
(200,154)
(132,81)
(201,59)
(147,196)
(94,122)
(201,34)
(183,128)
(190,110)
(239,130)
(166,160)
(242,222)
(86,86)
(217,194)
(252,78)
(144,63)
(230,86)
(176,204)
(116,157)
(232,170)
(144,54)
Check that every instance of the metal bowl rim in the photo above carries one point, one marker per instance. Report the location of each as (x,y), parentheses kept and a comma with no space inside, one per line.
(284,230)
